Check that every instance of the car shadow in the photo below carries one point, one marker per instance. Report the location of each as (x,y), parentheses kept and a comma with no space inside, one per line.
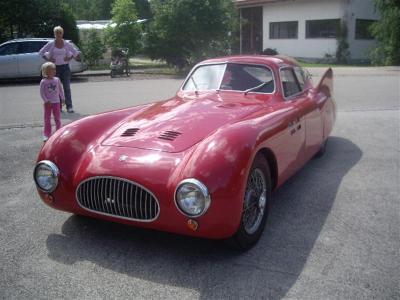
(299,211)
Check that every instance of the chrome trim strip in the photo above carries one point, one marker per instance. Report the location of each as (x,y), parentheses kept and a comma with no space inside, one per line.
(112,208)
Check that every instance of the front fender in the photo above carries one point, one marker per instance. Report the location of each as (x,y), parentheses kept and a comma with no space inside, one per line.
(222,162)
(67,145)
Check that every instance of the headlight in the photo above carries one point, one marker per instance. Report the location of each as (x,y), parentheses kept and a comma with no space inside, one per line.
(192,197)
(46,176)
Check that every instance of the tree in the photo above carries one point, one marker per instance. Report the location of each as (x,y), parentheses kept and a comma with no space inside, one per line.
(93,47)
(91,9)
(37,18)
(124,32)
(387,32)
(342,50)
(183,32)
(143,8)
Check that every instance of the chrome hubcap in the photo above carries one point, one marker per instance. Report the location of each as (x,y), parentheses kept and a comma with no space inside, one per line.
(254,201)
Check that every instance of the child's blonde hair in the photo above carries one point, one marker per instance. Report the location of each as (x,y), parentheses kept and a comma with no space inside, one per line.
(46,66)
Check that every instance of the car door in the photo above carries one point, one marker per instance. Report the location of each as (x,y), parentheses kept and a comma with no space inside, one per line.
(292,148)
(8,60)
(29,61)
(311,114)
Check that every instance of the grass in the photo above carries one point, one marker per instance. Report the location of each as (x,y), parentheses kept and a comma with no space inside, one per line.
(146,63)
(327,65)
(143,63)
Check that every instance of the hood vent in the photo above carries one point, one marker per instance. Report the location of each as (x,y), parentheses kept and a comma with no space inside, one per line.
(169,135)
(130,132)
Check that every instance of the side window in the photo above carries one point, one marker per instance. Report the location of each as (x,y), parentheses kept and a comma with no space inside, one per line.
(8,49)
(37,45)
(301,77)
(290,84)
(30,47)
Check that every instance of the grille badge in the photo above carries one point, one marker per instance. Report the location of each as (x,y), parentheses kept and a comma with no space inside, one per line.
(123,158)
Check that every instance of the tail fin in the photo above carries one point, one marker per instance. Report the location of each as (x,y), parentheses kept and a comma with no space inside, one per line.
(325,85)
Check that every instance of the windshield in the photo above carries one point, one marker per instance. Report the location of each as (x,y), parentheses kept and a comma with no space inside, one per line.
(234,77)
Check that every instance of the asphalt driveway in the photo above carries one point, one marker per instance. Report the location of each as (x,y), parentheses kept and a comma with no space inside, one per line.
(333,231)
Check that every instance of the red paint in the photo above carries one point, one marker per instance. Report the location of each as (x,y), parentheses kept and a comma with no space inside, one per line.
(220,133)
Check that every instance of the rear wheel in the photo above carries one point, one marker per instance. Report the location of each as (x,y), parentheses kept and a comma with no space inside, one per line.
(112,73)
(322,150)
(256,206)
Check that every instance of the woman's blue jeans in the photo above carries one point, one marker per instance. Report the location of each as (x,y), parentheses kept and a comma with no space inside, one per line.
(64,73)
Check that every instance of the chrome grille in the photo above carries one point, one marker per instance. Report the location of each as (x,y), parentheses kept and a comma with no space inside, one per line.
(118,197)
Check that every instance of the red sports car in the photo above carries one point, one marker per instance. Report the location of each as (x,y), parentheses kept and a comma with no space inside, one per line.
(203,163)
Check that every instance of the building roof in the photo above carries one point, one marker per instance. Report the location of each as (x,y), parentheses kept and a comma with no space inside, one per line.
(241,3)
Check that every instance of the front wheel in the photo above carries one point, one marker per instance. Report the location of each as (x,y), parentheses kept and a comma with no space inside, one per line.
(256,206)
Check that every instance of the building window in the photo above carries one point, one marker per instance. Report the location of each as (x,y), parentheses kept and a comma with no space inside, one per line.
(363,31)
(283,30)
(322,28)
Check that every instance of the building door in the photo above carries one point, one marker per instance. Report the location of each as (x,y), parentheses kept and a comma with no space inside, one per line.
(251,30)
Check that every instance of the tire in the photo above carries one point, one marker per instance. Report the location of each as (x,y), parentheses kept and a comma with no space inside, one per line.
(256,206)
(112,74)
(322,150)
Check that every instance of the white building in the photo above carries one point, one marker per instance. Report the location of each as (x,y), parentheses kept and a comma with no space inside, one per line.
(306,28)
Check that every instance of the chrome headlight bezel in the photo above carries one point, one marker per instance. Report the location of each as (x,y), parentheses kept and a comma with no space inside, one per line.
(192,184)
(54,175)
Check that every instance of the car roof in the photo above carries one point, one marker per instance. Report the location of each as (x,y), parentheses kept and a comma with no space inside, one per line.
(31,40)
(271,60)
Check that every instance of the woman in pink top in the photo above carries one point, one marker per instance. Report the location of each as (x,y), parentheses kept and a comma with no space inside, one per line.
(51,92)
(61,52)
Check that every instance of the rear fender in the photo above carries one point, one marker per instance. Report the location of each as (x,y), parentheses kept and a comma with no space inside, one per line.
(324,96)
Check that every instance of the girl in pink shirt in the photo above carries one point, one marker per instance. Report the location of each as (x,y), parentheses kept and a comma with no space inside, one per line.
(51,92)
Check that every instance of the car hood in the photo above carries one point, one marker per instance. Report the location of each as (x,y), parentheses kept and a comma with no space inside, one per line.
(179,123)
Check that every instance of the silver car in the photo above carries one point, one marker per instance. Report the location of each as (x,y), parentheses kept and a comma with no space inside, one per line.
(20,58)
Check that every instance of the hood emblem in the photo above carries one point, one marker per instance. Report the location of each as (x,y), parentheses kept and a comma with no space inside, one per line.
(123,158)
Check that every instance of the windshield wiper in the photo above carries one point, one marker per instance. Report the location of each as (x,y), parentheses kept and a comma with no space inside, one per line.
(195,85)
(255,88)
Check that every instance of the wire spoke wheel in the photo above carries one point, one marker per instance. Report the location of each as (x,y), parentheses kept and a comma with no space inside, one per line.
(256,205)
(254,202)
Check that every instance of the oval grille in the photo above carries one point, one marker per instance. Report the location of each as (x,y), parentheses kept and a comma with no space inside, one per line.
(118,197)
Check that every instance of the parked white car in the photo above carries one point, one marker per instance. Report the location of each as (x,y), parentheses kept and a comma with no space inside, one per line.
(20,58)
